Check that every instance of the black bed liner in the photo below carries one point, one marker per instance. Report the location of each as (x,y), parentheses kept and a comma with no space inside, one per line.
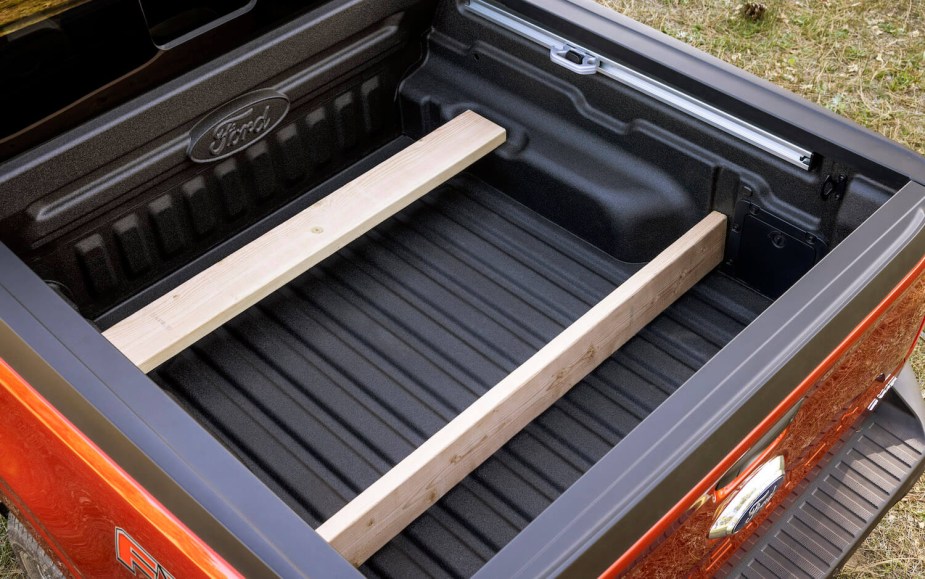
(332,380)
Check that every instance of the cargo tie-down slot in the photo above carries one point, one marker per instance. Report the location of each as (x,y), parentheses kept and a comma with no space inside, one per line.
(583,61)
(204,303)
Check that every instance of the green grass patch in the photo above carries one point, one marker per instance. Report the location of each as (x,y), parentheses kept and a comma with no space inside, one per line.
(9,565)
(863,60)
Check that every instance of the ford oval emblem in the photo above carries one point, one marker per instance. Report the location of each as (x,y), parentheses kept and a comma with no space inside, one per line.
(237,125)
(751,499)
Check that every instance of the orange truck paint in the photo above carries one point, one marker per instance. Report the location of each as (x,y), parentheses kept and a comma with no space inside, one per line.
(75,497)
(668,524)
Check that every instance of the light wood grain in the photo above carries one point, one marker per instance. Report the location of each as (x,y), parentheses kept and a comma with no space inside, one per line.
(175,321)
(405,492)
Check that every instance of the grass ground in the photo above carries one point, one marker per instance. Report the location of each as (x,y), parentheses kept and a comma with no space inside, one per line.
(8,564)
(864,59)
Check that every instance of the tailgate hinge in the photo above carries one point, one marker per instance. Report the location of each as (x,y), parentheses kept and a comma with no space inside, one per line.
(876,401)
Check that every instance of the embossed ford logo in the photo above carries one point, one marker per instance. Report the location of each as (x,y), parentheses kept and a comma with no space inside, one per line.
(749,500)
(236,125)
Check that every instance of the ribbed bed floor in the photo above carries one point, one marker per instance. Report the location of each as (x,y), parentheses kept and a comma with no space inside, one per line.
(332,380)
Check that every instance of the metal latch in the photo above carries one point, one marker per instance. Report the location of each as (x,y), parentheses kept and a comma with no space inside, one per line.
(574,59)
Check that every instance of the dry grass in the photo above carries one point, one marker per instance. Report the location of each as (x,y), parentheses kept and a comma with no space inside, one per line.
(864,59)
(9,567)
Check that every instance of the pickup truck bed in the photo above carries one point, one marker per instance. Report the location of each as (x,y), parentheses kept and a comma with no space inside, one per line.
(269,425)
(332,380)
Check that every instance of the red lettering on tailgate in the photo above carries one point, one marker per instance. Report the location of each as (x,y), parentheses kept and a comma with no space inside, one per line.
(136,559)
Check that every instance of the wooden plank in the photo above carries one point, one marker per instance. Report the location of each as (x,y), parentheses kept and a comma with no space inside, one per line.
(378,514)
(175,321)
